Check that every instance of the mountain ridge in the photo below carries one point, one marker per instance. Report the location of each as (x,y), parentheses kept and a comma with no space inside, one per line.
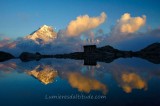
(91,54)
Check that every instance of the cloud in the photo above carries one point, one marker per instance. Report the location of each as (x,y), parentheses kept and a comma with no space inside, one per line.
(122,36)
(84,23)
(7,43)
(127,24)
(125,29)
(132,81)
(9,67)
(155,32)
(144,39)
(86,84)
(130,76)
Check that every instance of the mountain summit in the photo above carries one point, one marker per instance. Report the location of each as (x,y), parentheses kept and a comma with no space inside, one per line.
(43,35)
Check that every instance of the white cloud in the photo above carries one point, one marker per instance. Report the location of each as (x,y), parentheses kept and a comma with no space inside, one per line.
(84,23)
(125,28)
(127,24)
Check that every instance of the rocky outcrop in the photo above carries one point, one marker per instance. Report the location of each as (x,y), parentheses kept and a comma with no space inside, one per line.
(5,56)
(26,56)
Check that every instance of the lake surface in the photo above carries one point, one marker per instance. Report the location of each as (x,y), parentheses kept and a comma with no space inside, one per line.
(48,82)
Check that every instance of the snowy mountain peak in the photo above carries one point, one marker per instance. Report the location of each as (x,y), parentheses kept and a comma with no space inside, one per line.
(45,27)
(43,35)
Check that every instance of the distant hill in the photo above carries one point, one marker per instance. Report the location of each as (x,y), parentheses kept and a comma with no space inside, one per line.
(155,47)
(5,56)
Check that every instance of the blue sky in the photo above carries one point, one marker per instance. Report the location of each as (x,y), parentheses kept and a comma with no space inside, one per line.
(21,17)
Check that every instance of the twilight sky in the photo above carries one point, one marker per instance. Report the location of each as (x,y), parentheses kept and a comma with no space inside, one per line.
(21,17)
(123,24)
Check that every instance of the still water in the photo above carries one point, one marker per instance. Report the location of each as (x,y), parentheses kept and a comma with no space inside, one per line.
(48,82)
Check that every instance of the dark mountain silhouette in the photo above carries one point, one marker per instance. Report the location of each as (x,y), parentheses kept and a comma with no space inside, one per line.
(25,56)
(153,48)
(107,54)
(5,56)
(150,53)
(92,54)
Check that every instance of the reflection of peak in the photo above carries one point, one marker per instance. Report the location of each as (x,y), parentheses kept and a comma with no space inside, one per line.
(43,35)
(45,74)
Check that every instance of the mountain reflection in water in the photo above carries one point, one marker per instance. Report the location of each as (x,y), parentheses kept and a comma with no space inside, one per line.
(123,76)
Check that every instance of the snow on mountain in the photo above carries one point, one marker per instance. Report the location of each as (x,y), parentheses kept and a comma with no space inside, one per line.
(43,35)
(44,40)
